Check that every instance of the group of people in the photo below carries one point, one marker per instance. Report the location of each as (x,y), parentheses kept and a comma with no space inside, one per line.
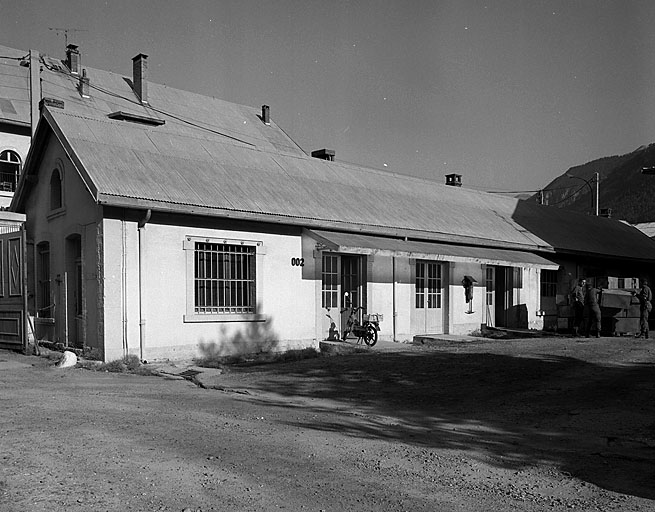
(586,300)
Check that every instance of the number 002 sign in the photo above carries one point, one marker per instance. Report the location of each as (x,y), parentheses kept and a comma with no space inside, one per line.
(297,262)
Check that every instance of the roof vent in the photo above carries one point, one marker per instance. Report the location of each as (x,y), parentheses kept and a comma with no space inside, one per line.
(135,118)
(139,77)
(266,114)
(73,59)
(454,180)
(324,154)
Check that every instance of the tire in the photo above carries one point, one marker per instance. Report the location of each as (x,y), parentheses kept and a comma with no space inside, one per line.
(371,335)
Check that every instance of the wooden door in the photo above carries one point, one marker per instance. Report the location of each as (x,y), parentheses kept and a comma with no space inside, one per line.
(427,314)
(13,291)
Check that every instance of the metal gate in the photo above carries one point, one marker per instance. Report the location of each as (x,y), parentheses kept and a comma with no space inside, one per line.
(13,290)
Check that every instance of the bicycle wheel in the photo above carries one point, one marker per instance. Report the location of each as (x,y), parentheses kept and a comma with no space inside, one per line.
(371,336)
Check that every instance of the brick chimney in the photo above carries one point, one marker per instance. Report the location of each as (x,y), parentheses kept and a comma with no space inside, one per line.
(266,114)
(140,77)
(454,180)
(324,154)
(73,59)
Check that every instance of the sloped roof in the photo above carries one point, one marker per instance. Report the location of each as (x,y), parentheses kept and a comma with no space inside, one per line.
(217,158)
(14,91)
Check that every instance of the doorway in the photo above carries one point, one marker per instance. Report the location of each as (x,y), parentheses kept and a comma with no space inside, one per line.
(341,274)
(428,310)
(509,308)
(74,290)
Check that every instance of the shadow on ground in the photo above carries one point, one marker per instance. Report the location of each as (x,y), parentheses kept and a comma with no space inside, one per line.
(593,421)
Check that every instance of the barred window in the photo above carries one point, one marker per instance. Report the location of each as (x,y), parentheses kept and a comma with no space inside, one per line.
(224,278)
(44,305)
(548,283)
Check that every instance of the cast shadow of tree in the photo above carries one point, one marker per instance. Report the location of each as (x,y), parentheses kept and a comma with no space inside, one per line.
(593,421)
(256,337)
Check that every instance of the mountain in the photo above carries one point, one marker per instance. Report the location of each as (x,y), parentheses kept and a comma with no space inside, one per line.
(623,188)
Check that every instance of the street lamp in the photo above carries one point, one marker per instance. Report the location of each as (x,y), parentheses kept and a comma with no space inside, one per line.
(597,180)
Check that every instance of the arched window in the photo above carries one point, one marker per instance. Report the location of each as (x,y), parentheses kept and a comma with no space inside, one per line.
(55,190)
(9,170)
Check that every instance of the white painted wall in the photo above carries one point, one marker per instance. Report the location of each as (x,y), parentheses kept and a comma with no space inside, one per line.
(287,300)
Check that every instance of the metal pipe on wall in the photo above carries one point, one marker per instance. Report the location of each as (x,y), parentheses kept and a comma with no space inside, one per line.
(142,320)
(393,296)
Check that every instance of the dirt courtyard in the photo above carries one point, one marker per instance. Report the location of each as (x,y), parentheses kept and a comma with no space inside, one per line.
(504,425)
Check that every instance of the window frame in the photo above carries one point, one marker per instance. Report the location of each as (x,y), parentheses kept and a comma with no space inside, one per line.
(548,287)
(58,210)
(428,284)
(190,245)
(19,167)
(43,280)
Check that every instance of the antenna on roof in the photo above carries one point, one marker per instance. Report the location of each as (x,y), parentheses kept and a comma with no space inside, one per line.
(65,31)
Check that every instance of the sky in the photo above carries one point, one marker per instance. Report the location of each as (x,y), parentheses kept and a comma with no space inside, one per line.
(507,93)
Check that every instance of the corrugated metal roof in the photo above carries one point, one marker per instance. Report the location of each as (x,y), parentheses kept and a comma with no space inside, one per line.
(15,104)
(368,244)
(181,170)
(218,158)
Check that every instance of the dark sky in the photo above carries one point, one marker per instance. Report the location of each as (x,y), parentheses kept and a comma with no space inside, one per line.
(507,93)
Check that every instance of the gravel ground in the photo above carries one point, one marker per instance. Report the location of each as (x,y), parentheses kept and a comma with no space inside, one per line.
(504,425)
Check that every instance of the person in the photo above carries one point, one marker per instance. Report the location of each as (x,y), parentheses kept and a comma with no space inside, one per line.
(577,299)
(592,308)
(645,297)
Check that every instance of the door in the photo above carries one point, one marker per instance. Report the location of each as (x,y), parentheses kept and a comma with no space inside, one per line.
(490,296)
(330,292)
(427,314)
(74,293)
(510,312)
(341,274)
(13,291)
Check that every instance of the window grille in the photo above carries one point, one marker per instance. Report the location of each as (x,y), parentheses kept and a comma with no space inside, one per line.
(224,278)
(43,278)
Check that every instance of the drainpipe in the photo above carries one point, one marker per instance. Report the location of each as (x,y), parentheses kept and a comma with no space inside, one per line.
(393,294)
(142,320)
(124,286)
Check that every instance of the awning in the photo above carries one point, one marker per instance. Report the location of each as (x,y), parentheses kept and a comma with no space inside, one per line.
(354,243)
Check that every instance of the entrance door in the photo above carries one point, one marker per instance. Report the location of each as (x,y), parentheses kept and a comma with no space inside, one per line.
(73,289)
(330,292)
(427,315)
(341,273)
(509,310)
(13,291)
(490,296)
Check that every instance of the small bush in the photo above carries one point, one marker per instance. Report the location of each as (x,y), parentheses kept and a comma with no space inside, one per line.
(259,358)
(115,366)
(128,364)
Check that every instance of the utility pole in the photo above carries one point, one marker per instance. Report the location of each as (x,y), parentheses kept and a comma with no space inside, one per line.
(65,31)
